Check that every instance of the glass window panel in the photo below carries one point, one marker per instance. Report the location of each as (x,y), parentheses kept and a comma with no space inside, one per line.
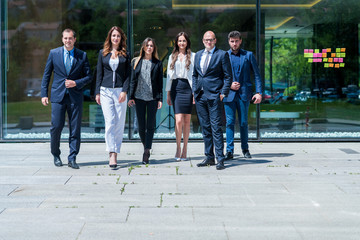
(311,69)
(164,19)
(33,28)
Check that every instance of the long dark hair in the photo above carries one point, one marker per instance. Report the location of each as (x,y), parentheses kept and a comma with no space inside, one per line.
(142,51)
(176,50)
(108,45)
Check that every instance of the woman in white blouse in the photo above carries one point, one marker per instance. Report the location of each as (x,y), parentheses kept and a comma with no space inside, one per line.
(179,93)
(112,85)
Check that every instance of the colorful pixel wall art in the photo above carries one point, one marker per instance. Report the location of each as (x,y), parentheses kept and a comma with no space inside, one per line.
(330,59)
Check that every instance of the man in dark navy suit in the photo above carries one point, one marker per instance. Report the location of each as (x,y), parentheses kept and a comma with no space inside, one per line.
(212,79)
(243,63)
(71,73)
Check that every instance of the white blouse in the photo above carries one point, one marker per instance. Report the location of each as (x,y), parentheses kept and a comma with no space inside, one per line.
(179,71)
(114,63)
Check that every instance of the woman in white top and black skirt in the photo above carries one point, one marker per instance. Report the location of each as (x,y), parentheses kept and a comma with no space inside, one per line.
(179,93)
(112,84)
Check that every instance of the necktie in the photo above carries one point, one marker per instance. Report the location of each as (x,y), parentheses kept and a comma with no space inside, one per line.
(67,63)
(206,62)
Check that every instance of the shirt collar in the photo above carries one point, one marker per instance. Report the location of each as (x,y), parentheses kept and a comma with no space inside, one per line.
(232,53)
(211,51)
(71,51)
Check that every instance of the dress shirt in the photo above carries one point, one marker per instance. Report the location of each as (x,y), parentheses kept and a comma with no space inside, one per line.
(235,65)
(71,56)
(203,56)
(179,71)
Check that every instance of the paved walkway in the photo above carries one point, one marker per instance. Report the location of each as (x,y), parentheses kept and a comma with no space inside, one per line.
(287,191)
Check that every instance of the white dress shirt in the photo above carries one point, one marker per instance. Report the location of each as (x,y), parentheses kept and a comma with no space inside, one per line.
(203,57)
(179,71)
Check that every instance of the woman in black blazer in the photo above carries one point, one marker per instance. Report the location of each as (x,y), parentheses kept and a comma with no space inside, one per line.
(112,84)
(146,92)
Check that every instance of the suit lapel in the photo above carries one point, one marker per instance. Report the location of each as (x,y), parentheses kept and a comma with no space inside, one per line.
(198,61)
(152,66)
(74,59)
(242,58)
(61,57)
(138,69)
(213,56)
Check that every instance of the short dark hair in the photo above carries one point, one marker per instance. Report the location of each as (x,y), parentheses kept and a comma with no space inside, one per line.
(234,34)
(69,30)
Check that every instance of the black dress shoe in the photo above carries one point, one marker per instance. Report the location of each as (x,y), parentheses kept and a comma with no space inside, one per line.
(206,162)
(220,165)
(229,155)
(57,161)
(73,165)
(246,154)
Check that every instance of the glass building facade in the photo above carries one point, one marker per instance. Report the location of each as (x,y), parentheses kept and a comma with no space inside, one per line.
(307,51)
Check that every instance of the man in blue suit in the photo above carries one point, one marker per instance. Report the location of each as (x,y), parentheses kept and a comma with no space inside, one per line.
(71,73)
(211,83)
(243,63)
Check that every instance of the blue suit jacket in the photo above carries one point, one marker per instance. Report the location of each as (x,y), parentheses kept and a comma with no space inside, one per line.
(217,78)
(247,64)
(80,73)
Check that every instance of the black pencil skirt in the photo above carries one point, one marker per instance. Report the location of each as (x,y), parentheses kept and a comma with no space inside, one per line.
(181,96)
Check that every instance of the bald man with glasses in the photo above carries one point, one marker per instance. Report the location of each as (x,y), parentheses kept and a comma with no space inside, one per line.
(212,78)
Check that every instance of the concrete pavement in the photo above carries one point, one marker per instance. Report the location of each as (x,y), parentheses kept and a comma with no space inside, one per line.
(286,191)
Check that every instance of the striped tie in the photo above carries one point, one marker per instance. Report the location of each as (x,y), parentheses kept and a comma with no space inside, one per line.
(67,63)
(206,62)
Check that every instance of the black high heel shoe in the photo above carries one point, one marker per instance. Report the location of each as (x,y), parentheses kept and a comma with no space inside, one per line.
(146,156)
(112,165)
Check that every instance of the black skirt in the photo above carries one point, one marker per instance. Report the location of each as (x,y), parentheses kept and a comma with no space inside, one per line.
(181,96)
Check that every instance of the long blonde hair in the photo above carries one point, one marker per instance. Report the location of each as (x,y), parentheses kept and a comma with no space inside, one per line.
(142,51)
(108,45)
(176,51)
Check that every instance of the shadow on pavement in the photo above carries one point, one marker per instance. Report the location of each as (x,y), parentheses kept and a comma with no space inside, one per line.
(241,161)
(129,162)
(267,155)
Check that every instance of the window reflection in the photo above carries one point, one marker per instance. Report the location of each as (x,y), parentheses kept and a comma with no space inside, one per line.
(164,20)
(34,27)
(311,71)
(303,98)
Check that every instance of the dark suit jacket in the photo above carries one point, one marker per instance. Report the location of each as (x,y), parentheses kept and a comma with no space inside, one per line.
(247,64)
(104,76)
(156,79)
(80,73)
(217,78)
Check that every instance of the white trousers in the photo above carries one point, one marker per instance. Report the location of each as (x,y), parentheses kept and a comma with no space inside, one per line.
(114,115)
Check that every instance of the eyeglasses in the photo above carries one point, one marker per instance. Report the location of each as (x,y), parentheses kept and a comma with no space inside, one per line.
(209,40)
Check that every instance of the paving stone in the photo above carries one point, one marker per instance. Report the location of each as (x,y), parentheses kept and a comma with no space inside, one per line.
(151,230)
(65,215)
(286,191)
(5,189)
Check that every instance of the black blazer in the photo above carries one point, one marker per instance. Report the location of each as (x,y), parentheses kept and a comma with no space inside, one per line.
(156,79)
(104,76)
